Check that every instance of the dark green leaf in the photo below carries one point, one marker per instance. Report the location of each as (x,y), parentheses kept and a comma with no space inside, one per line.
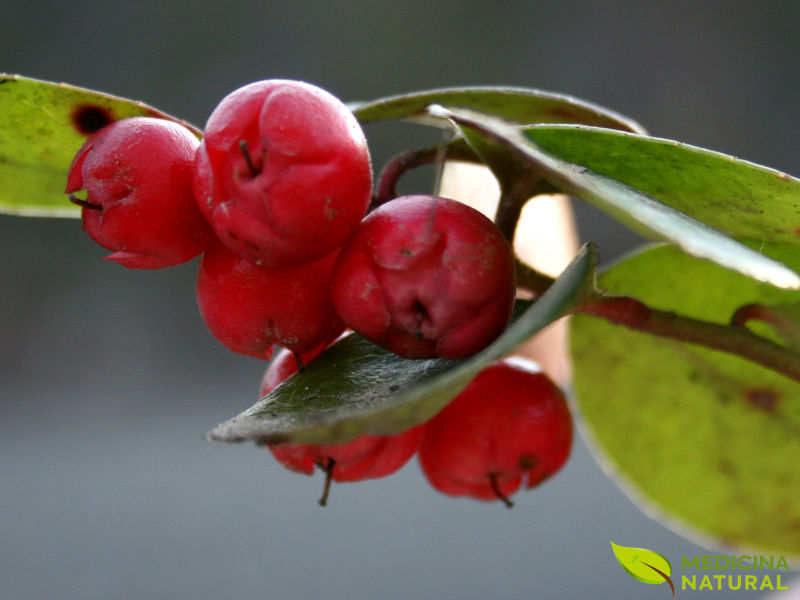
(707,441)
(742,199)
(40,132)
(356,388)
(625,203)
(521,105)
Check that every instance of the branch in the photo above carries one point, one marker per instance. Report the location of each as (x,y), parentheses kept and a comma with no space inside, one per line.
(634,314)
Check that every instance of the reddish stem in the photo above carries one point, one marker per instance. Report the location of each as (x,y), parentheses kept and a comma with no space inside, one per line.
(636,315)
(386,188)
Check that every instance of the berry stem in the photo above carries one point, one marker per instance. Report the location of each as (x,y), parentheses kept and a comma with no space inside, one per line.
(247,158)
(84,203)
(497,492)
(326,490)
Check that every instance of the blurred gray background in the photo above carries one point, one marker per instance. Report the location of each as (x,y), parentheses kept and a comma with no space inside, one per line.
(109,380)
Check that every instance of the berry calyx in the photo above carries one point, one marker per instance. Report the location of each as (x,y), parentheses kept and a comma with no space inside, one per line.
(249,308)
(425,276)
(366,457)
(510,425)
(283,172)
(137,174)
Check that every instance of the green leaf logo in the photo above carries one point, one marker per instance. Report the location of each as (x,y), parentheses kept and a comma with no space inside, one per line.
(644,565)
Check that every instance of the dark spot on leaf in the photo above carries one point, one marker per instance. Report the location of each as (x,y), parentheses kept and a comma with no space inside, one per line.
(5,80)
(394,388)
(90,118)
(797,231)
(762,398)
(726,467)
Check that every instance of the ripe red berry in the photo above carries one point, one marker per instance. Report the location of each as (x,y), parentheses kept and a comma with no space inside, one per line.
(137,174)
(426,276)
(249,308)
(511,423)
(283,173)
(366,457)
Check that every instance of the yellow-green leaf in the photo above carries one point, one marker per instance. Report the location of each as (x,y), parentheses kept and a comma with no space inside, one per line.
(707,441)
(42,125)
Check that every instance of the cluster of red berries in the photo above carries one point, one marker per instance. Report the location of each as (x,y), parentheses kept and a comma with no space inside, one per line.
(274,197)
(510,424)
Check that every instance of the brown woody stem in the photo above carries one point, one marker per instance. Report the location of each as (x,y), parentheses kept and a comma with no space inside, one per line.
(530,279)
(513,198)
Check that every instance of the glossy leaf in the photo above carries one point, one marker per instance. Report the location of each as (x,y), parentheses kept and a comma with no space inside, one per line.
(706,441)
(738,197)
(642,564)
(521,105)
(625,203)
(42,125)
(356,388)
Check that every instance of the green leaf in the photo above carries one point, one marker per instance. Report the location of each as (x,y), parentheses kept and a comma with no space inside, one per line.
(356,388)
(39,137)
(522,105)
(625,203)
(738,197)
(642,564)
(707,442)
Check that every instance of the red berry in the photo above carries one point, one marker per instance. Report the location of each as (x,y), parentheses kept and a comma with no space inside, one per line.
(137,174)
(366,457)
(283,173)
(249,308)
(425,277)
(511,423)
